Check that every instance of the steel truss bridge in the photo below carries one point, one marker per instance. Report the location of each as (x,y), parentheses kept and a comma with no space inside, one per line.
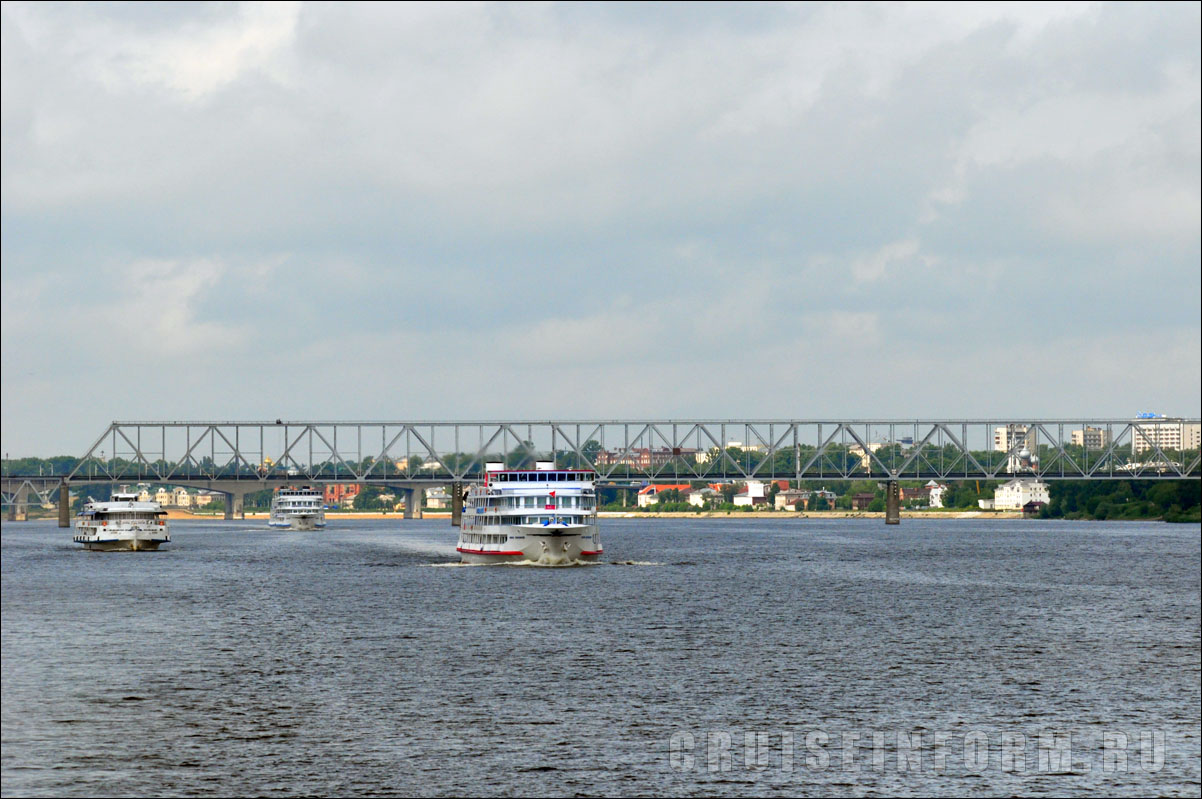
(238,457)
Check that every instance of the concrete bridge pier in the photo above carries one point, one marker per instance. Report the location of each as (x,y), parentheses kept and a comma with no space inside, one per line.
(457,504)
(233,505)
(64,504)
(892,503)
(413,503)
(18,510)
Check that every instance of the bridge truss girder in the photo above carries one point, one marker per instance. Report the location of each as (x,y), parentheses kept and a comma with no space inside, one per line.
(630,451)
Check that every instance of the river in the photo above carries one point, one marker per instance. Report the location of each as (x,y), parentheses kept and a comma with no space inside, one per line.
(704,657)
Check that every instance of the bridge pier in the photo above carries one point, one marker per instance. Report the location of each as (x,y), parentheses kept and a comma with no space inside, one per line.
(233,505)
(64,504)
(892,503)
(18,511)
(457,504)
(413,503)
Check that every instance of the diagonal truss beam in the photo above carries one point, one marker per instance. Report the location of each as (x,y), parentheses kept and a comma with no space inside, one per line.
(945,449)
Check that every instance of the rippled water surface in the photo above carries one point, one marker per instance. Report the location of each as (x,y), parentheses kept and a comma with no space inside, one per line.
(350,661)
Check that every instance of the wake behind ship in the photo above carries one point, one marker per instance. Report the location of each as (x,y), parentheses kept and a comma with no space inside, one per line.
(544,515)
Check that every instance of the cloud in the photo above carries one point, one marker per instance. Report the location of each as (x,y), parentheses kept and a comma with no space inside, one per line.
(719,210)
(157,300)
(874,266)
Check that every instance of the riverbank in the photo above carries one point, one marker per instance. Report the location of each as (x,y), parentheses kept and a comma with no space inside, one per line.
(330,516)
(816,514)
(717,514)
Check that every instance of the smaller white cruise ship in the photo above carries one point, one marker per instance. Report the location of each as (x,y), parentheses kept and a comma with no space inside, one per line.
(122,523)
(298,508)
(544,515)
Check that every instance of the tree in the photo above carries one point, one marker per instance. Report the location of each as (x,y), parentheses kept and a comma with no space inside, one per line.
(369,499)
(669,495)
(523,457)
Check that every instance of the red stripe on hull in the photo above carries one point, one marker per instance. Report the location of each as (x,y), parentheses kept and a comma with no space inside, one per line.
(486,552)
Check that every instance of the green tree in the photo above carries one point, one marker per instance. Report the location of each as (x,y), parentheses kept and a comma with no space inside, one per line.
(369,499)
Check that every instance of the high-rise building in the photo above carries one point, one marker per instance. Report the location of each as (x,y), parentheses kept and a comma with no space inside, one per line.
(1015,437)
(1165,432)
(1091,438)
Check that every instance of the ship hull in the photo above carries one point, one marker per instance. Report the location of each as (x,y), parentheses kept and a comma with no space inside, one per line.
(544,545)
(302,522)
(131,543)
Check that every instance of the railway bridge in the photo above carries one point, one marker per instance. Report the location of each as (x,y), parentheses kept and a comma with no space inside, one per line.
(239,457)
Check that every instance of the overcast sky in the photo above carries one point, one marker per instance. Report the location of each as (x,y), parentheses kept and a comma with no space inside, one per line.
(493,211)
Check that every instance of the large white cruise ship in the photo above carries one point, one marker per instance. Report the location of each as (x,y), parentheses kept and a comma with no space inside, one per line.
(299,508)
(545,515)
(122,523)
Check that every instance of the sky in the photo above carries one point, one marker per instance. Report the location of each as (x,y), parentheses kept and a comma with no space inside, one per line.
(335,211)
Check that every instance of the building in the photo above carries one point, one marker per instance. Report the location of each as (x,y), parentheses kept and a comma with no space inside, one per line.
(790,499)
(341,494)
(649,495)
(862,501)
(181,498)
(713,453)
(921,494)
(438,498)
(800,499)
(927,494)
(201,500)
(700,496)
(1014,494)
(856,451)
(1167,433)
(163,496)
(645,458)
(753,492)
(1090,438)
(1017,439)
(1014,437)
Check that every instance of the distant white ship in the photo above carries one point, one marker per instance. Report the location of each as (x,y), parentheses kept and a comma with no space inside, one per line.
(122,523)
(543,514)
(299,508)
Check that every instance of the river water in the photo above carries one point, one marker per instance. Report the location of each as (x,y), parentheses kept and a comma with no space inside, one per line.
(706,657)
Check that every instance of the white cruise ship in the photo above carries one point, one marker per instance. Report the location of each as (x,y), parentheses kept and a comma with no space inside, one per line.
(299,508)
(122,523)
(545,515)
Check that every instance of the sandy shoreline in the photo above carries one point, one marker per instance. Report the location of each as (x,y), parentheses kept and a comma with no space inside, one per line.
(721,514)
(816,514)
